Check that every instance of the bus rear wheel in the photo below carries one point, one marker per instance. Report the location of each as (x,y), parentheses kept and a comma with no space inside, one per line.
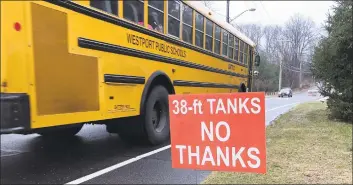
(152,127)
(60,132)
(156,118)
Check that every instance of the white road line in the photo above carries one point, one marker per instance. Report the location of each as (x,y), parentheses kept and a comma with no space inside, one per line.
(282,106)
(116,166)
(129,161)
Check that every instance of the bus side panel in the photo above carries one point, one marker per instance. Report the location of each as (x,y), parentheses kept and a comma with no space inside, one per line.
(64,82)
(13,48)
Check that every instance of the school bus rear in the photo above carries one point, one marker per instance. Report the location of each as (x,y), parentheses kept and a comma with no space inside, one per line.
(14,64)
(42,84)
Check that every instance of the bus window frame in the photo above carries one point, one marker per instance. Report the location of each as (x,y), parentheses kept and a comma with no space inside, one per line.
(147,16)
(202,31)
(182,22)
(219,40)
(206,35)
(227,44)
(103,11)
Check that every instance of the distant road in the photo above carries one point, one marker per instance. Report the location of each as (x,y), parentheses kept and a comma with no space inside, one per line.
(29,159)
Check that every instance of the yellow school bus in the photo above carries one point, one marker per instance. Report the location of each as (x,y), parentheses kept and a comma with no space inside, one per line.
(67,63)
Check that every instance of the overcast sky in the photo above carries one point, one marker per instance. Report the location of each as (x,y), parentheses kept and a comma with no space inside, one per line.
(274,12)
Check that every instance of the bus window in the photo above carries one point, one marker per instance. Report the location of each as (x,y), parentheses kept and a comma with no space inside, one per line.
(156,4)
(245,53)
(199,30)
(105,5)
(133,11)
(236,53)
(241,59)
(156,15)
(209,35)
(231,46)
(250,56)
(187,24)
(217,46)
(225,43)
(174,18)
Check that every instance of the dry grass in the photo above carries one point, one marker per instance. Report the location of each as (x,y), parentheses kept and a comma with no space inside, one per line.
(303,147)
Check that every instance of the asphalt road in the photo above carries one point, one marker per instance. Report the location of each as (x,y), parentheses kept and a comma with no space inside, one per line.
(31,160)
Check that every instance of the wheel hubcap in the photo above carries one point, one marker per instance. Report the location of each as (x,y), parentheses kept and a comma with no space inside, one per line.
(158,115)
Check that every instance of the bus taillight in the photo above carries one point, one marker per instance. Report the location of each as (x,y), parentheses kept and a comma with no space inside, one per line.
(17,26)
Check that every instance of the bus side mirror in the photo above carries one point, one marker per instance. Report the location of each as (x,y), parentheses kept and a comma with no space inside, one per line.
(257,60)
(256,73)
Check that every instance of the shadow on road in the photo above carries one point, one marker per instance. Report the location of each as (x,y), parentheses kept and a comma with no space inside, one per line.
(60,161)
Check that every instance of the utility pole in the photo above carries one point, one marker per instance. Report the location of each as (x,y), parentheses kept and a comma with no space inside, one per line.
(300,73)
(280,74)
(228,11)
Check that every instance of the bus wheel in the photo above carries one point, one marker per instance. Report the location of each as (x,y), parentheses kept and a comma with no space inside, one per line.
(156,118)
(150,128)
(60,132)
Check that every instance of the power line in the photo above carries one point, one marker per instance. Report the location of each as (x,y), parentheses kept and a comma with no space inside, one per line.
(290,69)
(268,15)
(294,70)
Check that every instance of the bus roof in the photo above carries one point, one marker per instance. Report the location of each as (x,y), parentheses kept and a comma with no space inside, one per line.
(198,6)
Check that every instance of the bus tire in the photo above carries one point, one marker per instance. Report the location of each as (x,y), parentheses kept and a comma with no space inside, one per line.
(156,117)
(61,132)
(145,129)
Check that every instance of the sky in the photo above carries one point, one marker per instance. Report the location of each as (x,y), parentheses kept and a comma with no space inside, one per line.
(274,12)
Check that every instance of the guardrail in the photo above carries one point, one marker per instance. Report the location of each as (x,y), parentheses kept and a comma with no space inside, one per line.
(270,93)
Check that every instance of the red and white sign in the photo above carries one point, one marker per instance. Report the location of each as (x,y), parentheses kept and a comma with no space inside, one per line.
(220,132)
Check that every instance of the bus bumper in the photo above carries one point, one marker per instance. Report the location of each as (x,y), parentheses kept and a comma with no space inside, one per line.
(15,115)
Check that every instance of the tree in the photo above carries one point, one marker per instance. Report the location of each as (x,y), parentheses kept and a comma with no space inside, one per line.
(333,62)
(253,31)
(270,45)
(302,33)
(267,80)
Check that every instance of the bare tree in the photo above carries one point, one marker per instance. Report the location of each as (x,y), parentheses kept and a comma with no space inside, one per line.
(271,45)
(301,32)
(254,32)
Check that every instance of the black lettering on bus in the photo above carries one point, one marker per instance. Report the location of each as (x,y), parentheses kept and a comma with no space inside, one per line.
(162,48)
(179,52)
(157,46)
(153,44)
(165,50)
(138,40)
(129,38)
(149,43)
(134,39)
(143,42)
